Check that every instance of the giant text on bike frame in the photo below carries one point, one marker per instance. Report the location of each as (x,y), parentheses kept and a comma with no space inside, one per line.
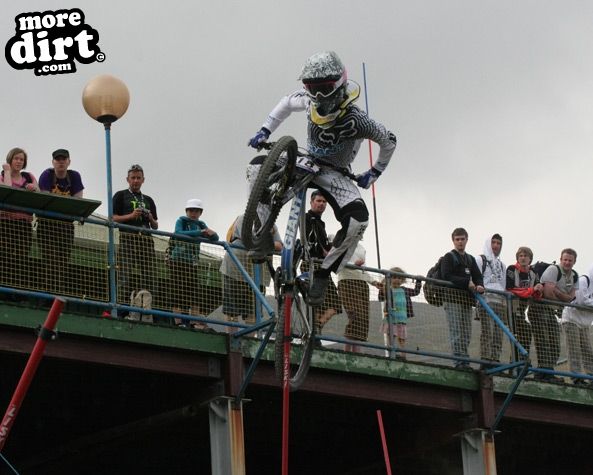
(293,220)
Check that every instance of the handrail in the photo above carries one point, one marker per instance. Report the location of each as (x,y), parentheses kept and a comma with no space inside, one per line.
(244,328)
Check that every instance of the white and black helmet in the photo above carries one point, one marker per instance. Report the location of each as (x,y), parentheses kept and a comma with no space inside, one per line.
(324,78)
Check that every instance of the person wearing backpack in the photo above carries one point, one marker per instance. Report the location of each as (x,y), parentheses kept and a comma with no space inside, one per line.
(523,282)
(184,278)
(56,237)
(560,283)
(460,268)
(16,233)
(577,328)
(494,276)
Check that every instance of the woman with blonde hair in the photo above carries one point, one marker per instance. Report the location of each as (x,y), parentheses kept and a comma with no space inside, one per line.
(16,232)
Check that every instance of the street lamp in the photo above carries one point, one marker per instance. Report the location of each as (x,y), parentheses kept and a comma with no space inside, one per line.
(106,99)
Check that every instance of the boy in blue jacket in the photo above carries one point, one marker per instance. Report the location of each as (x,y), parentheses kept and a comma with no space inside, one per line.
(184,257)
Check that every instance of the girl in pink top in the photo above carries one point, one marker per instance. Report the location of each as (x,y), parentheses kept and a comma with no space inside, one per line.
(15,228)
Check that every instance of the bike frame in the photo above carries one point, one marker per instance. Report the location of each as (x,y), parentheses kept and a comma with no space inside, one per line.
(295,219)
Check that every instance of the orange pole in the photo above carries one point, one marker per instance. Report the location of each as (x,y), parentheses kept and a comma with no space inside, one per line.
(286,384)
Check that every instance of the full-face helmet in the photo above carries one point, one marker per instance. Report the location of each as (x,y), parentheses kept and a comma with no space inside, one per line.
(326,83)
(324,78)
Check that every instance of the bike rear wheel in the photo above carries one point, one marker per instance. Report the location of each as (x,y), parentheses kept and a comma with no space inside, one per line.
(302,336)
(267,196)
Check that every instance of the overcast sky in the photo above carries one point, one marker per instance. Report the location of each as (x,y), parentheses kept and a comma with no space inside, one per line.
(491,102)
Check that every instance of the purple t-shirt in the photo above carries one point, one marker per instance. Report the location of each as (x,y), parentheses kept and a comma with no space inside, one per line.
(68,186)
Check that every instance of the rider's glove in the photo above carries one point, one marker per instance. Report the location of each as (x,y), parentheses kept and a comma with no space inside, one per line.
(261,136)
(366,179)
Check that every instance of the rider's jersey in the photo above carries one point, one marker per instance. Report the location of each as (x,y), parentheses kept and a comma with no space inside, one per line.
(338,145)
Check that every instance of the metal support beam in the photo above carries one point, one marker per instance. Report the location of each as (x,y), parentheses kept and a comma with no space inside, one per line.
(227,446)
(477,452)
(484,402)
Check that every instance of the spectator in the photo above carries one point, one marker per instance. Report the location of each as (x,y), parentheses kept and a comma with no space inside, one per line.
(523,282)
(56,237)
(237,295)
(353,289)
(16,232)
(494,277)
(319,248)
(577,327)
(461,270)
(185,285)
(136,256)
(59,179)
(396,315)
(560,283)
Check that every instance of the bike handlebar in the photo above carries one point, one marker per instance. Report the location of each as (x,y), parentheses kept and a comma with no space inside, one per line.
(343,171)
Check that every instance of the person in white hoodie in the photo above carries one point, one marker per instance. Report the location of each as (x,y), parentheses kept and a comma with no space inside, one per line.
(494,275)
(577,327)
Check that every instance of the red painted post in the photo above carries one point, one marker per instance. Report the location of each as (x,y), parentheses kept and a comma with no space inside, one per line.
(30,369)
(384,442)
(286,383)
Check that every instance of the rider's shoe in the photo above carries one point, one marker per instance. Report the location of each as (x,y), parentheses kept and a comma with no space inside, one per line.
(318,287)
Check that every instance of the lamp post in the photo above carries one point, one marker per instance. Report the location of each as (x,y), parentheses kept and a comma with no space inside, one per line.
(106,98)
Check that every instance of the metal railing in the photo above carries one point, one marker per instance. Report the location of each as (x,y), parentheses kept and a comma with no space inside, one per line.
(167,279)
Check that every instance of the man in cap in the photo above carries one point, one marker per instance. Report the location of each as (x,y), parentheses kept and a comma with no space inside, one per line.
(59,179)
(56,237)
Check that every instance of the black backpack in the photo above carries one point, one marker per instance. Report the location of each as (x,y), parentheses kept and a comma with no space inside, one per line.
(540,267)
(433,293)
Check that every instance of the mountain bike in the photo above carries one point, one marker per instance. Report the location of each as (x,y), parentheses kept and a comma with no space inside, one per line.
(285,175)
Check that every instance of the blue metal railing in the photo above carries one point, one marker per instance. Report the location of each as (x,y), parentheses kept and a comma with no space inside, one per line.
(519,363)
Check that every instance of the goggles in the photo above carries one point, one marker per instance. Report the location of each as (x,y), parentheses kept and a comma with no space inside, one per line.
(323,90)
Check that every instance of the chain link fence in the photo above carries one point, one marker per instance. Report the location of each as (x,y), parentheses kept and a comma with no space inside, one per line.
(167,279)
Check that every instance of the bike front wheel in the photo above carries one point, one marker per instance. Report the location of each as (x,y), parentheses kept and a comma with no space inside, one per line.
(301,340)
(267,196)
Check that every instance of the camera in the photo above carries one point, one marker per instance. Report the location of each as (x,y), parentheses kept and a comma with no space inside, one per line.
(145,211)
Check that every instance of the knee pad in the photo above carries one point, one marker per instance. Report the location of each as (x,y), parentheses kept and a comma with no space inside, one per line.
(356,209)
(351,228)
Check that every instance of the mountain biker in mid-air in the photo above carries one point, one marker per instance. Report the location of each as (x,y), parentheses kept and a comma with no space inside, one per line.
(335,130)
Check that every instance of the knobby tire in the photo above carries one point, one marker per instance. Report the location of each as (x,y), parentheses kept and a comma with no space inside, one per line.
(302,318)
(271,186)
(303,329)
